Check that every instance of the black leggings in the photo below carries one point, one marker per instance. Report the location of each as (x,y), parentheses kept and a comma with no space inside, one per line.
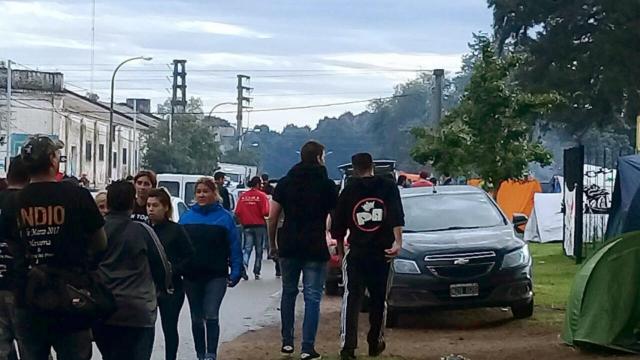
(170,306)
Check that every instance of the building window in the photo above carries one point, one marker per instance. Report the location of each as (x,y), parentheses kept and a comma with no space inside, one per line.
(88,150)
(124,156)
(115,160)
(101,152)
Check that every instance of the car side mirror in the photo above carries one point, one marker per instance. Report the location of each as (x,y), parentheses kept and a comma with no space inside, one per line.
(519,220)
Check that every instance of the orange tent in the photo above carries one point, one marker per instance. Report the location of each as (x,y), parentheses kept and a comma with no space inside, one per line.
(475,182)
(517,196)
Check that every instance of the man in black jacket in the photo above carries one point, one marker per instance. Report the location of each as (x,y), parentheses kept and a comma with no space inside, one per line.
(222,190)
(370,209)
(17,178)
(305,195)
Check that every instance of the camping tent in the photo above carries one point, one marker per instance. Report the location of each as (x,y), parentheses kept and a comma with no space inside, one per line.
(625,205)
(517,196)
(546,222)
(602,307)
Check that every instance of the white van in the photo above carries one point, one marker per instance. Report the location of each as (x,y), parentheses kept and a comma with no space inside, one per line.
(180,185)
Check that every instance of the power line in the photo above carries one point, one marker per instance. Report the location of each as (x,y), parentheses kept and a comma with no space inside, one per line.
(233,112)
(345,70)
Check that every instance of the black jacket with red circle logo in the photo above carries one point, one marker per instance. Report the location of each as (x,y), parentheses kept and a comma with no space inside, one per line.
(369,208)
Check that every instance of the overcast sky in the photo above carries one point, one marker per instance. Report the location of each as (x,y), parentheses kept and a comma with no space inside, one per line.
(297,52)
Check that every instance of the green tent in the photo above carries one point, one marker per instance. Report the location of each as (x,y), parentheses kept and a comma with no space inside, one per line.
(604,303)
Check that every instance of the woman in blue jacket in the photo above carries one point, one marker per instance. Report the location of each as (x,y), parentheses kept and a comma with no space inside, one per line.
(216,264)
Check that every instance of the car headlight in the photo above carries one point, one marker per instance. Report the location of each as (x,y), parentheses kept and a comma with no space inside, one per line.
(516,258)
(401,266)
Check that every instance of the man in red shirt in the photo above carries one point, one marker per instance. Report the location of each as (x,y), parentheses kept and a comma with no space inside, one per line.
(252,209)
(423,182)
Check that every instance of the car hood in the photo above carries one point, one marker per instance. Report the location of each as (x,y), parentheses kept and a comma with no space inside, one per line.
(500,239)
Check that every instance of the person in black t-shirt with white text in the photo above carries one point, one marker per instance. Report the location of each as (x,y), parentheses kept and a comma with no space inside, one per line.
(144,181)
(17,178)
(370,210)
(60,228)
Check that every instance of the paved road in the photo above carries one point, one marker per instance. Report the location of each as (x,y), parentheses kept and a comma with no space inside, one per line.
(250,305)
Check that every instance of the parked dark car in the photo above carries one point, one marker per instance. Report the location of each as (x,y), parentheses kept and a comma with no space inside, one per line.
(459,251)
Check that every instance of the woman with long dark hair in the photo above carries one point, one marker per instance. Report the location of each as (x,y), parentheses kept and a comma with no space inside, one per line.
(179,250)
(216,265)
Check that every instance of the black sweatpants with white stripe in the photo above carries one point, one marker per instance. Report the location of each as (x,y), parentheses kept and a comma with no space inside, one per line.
(362,272)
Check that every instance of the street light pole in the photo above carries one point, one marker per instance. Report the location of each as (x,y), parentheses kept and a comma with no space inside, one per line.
(110,131)
(221,104)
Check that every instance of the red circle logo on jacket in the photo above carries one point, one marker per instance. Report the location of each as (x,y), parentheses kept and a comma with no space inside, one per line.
(368,214)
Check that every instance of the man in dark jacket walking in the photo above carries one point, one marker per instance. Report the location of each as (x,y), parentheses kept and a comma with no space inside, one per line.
(17,178)
(222,190)
(306,195)
(370,209)
(133,267)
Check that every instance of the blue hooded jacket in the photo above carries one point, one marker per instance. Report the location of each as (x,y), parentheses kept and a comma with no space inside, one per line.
(216,242)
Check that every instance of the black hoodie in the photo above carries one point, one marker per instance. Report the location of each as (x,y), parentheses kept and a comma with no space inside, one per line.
(369,208)
(307,195)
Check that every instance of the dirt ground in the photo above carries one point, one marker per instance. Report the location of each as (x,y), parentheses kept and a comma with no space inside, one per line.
(488,334)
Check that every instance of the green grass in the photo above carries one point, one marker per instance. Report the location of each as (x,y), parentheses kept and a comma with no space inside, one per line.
(553,275)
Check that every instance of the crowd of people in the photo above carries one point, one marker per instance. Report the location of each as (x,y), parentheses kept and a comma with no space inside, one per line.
(76,270)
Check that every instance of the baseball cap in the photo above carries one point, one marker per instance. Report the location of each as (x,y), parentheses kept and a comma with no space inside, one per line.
(40,147)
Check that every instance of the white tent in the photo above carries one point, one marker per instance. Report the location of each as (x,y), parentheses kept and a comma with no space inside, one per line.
(546,222)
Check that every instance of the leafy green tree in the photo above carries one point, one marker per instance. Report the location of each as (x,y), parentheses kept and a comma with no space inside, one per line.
(192,150)
(244,157)
(489,133)
(586,50)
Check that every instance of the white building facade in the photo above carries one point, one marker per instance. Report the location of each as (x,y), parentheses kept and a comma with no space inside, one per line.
(41,105)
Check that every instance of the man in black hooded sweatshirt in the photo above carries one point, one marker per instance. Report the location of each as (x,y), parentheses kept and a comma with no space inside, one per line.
(305,195)
(371,210)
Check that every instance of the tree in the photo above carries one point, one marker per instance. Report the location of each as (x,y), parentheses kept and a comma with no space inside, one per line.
(192,150)
(489,133)
(244,157)
(586,50)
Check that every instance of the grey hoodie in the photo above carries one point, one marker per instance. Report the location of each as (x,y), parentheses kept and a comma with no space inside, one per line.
(133,267)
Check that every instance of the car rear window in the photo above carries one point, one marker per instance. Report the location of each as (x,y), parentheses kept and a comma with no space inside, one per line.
(189,193)
(450,211)
(172,186)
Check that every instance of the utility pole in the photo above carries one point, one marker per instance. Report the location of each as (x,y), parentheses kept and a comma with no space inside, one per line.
(134,156)
(8,117)
(178,102)
(93,42)
(437,94)
(241,106)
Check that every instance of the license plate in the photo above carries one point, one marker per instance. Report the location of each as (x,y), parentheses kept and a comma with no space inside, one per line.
(464,290)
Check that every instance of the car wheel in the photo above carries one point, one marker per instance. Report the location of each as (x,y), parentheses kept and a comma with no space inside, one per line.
(332,288)
(522,310)
(392,318)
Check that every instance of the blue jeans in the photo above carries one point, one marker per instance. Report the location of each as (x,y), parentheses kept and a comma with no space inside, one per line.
(254,237)
(205,298)
(314,274)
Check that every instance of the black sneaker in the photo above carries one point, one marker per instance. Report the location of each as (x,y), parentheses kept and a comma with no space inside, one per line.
(310,356)
(245,277)
(257,276)
(377,348)
(286,351)
(347,355)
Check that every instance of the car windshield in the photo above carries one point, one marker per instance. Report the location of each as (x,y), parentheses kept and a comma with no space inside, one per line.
(441,212)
